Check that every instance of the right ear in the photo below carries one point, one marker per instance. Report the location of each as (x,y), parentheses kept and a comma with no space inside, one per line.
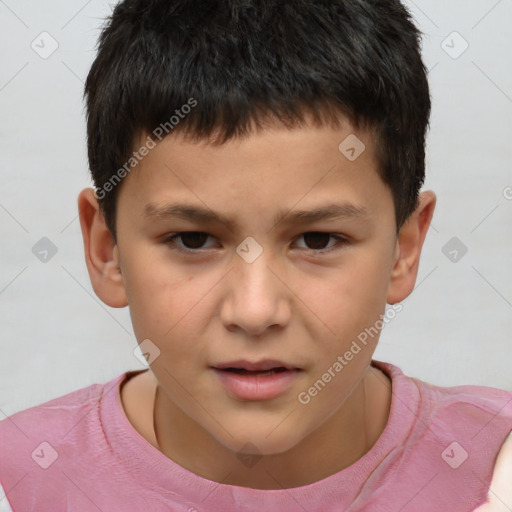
(101,252)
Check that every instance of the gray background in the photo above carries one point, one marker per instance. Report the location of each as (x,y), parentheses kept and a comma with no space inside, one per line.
(57,336)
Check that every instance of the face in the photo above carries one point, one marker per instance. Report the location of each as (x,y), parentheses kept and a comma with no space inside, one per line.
(261,283)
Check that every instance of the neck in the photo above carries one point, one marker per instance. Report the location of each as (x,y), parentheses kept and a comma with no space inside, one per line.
(336,444)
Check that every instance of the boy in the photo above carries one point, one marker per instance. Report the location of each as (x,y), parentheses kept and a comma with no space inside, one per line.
(258,128)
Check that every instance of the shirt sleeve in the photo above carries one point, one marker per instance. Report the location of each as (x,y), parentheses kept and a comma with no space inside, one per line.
(500,491)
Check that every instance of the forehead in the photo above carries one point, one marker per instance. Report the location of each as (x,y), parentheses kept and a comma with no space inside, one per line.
(276,169)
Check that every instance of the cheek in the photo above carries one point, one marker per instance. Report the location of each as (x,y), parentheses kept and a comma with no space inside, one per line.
(353,299)
(161,297)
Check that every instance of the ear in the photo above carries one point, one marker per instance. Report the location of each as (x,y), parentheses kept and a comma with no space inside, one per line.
(101,252)
(408,248)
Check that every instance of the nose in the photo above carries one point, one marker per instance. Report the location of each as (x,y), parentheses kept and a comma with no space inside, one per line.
(257,297)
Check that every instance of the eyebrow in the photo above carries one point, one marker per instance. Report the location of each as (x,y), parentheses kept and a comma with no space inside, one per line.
(198,214)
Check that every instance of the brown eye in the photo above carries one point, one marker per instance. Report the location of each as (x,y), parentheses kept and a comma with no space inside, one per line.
(191,241)
(316,241)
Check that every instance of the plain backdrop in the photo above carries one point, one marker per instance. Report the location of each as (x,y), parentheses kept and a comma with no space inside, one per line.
(57,336)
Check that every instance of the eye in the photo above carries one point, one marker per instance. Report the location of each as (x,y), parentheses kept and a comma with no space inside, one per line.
(318,240)
(193,241)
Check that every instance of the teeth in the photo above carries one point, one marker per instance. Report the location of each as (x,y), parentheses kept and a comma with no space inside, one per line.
(247,372)
(268,372)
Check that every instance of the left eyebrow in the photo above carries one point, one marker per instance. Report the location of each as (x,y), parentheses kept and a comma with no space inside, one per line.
(198,214)
(332,211)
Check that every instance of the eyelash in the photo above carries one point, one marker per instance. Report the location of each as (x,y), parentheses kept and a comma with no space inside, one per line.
(169,240)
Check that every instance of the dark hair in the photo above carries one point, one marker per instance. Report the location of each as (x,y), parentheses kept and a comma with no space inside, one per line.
(239,62)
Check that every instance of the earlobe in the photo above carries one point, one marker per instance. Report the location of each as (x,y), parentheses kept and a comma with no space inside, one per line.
(410,242)
(101,252)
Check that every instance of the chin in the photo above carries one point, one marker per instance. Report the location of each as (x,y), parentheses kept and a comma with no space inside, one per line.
(260,443)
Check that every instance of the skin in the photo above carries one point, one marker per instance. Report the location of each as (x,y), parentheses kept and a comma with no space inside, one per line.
(292,303)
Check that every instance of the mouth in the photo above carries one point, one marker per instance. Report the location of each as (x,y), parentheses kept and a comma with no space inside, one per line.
(256,366)
(256,381)
(253,373)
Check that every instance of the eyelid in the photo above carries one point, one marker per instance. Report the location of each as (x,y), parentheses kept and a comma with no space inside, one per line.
(343,240)
(168,239)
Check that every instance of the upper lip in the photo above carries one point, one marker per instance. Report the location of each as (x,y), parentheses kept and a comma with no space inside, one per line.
(264,364)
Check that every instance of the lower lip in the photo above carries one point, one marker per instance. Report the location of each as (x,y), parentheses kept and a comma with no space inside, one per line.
(257,387)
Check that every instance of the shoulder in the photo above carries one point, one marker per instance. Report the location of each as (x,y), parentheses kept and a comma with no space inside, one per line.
(480,417)
(53,410)
(55,413)
(478,405)
(474,413)
(50,426)
(66,432)
(54,427)
(462,423)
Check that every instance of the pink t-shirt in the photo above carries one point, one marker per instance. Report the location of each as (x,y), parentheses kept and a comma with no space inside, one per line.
(80,453)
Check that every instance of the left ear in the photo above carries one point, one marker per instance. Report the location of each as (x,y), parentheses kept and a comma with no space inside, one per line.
(409,243)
